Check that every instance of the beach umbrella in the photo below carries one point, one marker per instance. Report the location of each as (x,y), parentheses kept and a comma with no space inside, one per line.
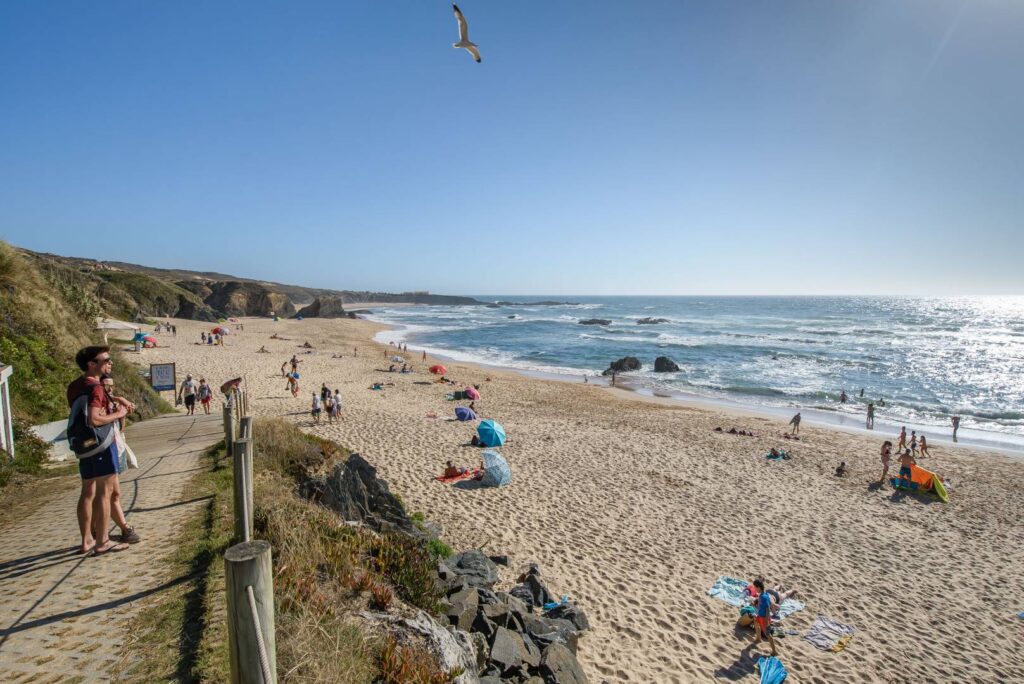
(464,413)
(472,393)
(141,337)
(230,385)
(491,433)
(398,359)
(497,472)
(438,369)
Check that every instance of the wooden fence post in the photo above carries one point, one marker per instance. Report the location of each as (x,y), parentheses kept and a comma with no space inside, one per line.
(229,428)
(250,597)
(243,498)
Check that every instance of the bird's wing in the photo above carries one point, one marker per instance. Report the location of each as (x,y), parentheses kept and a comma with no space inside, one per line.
(463,26)
(475,52)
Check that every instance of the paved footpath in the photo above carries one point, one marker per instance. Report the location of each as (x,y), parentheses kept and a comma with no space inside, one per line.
(63,617)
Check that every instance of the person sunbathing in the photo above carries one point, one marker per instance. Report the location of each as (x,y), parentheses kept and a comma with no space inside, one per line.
(451,470)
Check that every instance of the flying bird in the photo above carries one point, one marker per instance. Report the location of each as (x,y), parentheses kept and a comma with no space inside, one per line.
(464,41)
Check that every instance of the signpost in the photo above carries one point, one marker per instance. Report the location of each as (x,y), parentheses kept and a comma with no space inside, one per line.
(162,377)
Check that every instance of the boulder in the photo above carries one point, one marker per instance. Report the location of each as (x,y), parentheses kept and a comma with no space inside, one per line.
(454,649)
(463,609)
(354,491)
(623,365)
(595,321)
(481,647)
(531,591)
(663,364)
(324,307)
(651,321)
(559,666)
(567,611)
(474,568)
(545,631)
(509,651)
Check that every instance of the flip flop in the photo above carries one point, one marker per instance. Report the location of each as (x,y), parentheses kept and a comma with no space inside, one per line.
(80,552)
(113,547)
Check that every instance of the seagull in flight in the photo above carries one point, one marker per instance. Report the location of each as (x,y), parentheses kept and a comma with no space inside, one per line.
(464,41)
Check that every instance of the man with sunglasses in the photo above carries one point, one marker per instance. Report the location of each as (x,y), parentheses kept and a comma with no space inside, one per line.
(99,471)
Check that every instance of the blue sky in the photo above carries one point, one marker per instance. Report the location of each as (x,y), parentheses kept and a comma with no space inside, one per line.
(600,148)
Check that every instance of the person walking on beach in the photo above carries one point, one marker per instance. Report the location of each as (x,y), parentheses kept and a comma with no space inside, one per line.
(202,336)
(795,422)
(295,361)
(913,442)
(317,408)
(871,416)
(293,384)
(355,351)
(424,354)
(923,446)
(188,390)
(324,392)
(956,426)
(336,405)
(886,456)
(98,470)
(902,442)
(205,395)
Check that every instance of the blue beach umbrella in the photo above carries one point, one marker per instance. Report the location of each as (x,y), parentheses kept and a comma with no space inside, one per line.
(497,473)
(464,413)
(491,433)
(139,337)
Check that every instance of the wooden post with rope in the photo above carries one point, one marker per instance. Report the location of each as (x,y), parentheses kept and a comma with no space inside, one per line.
(250,613)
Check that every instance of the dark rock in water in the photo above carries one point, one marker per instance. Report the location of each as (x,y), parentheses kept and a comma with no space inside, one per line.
(567,611)
(474,568)
(559,666)
(595,321)
(623,365)
(663,364)
(492,306)
(354,491)
(651,321)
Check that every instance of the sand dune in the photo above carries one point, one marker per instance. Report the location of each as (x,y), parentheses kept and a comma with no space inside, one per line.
(633,508)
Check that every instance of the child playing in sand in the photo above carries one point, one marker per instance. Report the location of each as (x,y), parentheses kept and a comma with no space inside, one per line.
(922,446)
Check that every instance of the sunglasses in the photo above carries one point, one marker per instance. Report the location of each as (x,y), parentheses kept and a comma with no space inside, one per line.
(102,361)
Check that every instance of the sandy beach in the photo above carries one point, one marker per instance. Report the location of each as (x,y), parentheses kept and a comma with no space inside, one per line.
(633,508)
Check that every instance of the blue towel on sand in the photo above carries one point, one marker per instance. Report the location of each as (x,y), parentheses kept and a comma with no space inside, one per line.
(1021,615)
(729,590)
(772,670)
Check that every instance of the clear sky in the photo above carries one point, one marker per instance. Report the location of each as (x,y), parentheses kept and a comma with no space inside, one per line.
(657,147)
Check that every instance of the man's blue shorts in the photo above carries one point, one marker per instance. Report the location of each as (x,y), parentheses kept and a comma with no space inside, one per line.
(99,465)
(905,471)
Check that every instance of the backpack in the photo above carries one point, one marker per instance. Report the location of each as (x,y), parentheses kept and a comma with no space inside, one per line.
(83,439)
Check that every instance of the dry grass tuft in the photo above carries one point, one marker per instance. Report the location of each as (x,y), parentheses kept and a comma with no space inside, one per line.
(408,664)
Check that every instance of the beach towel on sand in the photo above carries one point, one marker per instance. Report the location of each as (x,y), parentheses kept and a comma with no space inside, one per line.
(468,475)
(829,635)
(772,670)
(730,590)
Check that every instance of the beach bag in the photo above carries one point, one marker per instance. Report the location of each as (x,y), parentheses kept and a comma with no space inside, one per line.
(126,457)
(83,439)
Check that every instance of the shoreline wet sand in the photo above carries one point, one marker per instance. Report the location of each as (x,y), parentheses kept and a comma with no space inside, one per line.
(633,506)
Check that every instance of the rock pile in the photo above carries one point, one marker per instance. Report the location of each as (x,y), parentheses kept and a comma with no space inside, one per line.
(513,643)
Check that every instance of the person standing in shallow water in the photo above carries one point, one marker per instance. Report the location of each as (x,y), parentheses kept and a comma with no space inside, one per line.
(871,416)
(956,426)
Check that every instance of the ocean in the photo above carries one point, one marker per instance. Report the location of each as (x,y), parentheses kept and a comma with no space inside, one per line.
(926,358)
